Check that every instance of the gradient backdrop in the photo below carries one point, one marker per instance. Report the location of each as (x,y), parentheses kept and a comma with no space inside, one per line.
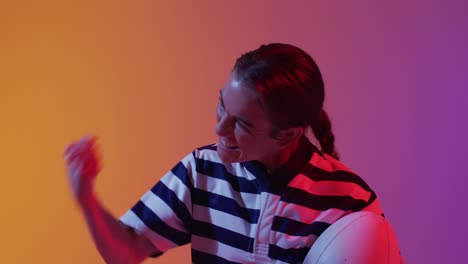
(144,77)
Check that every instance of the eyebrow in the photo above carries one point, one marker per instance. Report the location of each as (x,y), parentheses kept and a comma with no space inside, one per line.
(246,123)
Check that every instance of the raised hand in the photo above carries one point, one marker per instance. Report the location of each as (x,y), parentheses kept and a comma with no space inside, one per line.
(83,165)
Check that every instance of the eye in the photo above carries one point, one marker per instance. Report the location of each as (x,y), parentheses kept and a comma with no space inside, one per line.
(241,125)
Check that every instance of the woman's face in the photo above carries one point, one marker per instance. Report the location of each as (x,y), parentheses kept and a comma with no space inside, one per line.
(243,126)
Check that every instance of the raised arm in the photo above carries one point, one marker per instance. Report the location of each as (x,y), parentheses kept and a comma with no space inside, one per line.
(115,242)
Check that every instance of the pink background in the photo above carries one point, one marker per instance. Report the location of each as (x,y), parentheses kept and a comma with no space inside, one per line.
(144,75)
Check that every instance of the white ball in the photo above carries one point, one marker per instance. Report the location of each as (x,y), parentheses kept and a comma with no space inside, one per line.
(357,238)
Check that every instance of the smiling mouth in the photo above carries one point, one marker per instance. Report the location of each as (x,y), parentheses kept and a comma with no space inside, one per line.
(226,145)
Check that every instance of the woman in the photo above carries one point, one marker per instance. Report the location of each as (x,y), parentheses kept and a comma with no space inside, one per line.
(262,194)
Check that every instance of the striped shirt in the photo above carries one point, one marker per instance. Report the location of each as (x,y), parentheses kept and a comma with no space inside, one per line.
(238,213)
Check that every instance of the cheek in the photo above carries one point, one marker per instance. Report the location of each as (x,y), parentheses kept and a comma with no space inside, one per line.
(244,139)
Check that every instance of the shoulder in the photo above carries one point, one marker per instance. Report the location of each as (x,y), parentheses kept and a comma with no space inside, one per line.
(324,168)
(203,153)
(324,177)
(205,160)
(327,163)
(209,170)
(208,152)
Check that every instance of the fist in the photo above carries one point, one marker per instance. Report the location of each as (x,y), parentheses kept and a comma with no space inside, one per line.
(83,165)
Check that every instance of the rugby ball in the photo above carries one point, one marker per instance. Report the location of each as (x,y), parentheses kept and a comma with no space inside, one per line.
(357,238)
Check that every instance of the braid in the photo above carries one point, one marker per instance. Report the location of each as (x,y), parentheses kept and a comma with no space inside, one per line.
(323,133)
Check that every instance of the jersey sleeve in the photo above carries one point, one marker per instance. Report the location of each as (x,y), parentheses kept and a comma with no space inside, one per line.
(339,181)
(163,214)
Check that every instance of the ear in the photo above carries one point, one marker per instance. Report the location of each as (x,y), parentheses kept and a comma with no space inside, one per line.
(288,136)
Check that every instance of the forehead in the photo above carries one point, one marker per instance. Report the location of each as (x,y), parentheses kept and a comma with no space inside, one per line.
(240,100)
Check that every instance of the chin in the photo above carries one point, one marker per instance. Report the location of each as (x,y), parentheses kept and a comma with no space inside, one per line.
(229,156)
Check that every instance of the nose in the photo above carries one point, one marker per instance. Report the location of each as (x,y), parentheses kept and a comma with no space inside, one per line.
(223,126)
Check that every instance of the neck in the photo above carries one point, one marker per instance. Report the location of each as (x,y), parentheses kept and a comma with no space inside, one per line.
(284,156)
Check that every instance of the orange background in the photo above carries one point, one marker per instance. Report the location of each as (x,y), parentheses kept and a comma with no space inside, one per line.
(144,76)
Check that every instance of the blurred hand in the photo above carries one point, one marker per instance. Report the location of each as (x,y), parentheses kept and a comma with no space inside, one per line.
(83,165)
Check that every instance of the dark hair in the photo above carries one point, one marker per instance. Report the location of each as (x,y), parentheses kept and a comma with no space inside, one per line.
(290,87)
